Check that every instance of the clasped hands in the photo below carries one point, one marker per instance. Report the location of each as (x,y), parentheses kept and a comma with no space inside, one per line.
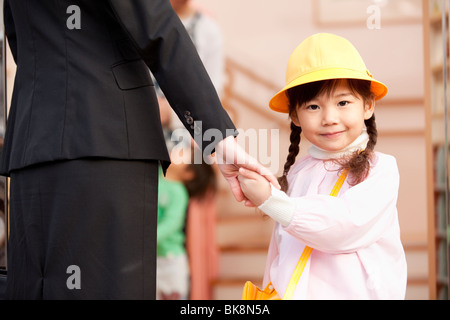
(249,181)
(256,187)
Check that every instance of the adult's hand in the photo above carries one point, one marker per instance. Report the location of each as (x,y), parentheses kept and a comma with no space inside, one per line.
(230,157)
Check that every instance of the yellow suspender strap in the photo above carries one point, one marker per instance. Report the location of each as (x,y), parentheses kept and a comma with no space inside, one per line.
(307,251)
(297,273)
(339,184)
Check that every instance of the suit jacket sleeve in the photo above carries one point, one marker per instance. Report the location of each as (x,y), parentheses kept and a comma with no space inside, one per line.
(10,29)
(164,44)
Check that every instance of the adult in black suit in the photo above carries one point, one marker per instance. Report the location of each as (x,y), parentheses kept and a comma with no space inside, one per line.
(84,139)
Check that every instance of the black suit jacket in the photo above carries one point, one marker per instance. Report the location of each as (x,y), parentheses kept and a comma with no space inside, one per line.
(87,92)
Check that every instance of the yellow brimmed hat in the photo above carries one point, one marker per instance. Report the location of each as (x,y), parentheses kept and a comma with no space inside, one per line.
(324,56)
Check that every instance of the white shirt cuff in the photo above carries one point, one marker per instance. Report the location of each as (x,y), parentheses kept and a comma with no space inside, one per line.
(279,207)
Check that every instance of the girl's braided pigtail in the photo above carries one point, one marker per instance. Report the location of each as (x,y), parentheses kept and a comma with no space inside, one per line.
(359,165)
(294,150)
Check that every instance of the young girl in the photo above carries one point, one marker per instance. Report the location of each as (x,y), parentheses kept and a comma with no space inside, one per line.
(355,237)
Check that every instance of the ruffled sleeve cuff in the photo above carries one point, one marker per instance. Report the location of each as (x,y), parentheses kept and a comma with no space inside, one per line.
(279,207)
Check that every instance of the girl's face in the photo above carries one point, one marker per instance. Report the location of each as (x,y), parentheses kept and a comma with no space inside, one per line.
(333,121)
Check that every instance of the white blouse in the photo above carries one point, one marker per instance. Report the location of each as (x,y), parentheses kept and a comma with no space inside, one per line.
(355,236)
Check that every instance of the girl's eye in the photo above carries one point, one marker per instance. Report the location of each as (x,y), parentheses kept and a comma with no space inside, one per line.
(312,107)
(343,103)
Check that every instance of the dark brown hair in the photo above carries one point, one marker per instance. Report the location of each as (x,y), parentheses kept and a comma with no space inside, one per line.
(358,165)
(204,180)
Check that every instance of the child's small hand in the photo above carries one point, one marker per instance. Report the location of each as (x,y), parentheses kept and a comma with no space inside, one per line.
(255,187)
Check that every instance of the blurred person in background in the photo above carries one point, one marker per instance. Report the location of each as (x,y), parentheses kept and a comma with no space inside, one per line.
(201,218)
(207,38)
(172,262)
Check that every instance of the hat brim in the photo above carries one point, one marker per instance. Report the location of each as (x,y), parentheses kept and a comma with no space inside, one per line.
(280,103)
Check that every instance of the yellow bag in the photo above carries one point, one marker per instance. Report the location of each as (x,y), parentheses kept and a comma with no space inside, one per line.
(252,292)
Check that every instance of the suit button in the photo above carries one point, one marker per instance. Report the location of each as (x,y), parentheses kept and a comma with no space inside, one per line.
(189,120)
(187,114)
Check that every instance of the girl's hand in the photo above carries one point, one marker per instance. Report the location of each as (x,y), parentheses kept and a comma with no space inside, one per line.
(231,157)
(255,187)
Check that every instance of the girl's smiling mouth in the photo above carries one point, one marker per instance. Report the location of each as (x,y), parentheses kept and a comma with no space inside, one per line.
(332,135)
